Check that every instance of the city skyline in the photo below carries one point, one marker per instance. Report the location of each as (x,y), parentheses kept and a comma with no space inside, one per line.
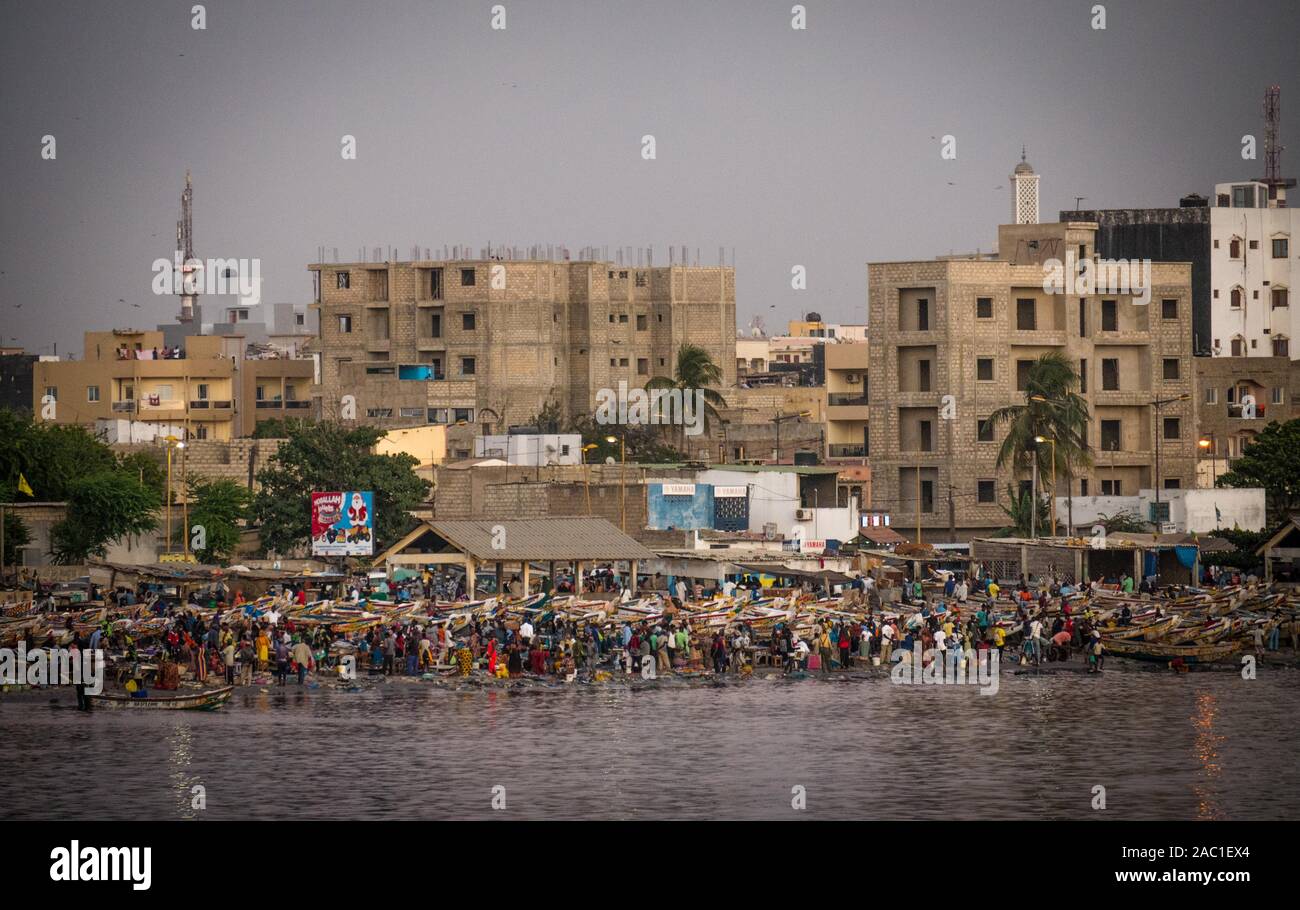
(818,147)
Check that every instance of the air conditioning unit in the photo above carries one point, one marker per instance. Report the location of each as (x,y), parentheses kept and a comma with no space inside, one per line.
(853,378)
(803,514)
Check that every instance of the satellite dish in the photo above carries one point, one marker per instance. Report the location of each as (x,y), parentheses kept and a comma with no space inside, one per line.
(609,459)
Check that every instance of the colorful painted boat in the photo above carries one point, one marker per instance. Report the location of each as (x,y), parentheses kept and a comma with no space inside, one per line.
(1190,654)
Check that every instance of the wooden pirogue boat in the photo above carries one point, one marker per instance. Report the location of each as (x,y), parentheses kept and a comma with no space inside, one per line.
(213,698)
(1191,654)
(1150,631)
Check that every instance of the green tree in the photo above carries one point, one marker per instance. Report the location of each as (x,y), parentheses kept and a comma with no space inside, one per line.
(220,507)
(102,507)
(1125,522)
(326,457)
(149,469)
(1019,503)
(1053,410)
(279,427)
(1271,460)
(17,535)
(1245,542)
(694,370)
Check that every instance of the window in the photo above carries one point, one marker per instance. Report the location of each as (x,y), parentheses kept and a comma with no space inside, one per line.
(1281,347)
(622,317)
(983,307)
(927,496)
(200,432)
(622,275)
(1173,483)
(1026,314)
(1254,244)
(92,393)
(611,317)
(437,415)
(1109,316)
(203,391)
(1022,374)
(1083,317)
(1083,376)
(1211,396)
(410,412)
(1110,435)
(1083,486)
(465,414)
(923,315)
(1173,427)
(1280,246)
(379,412)
(1277,395)
(467,321)
(1112,488)
(435,284)
(1169,309)
(986,491)
(641,322)
(1238,348)
(435,325)
(299,319)
(927,436)
(1243,197)
(613,362)
(467,366)
(923,377)
(1171,367)
(984,369)
(467,278)
(640,279)
(343,280)
(983,430)
(345,324)
(1234,248)
(1110,374)
(1279,298)
(378,284)
(622,361)
(643,366)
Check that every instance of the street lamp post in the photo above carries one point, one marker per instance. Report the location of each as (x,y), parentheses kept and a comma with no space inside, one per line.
(621,439)
(586,473)
(172,443)
(1210,441)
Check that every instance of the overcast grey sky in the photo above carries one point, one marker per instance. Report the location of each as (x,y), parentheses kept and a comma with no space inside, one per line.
(817,147)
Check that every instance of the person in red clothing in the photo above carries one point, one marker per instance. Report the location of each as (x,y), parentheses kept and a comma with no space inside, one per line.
(492,656)
(302,596)
(845,643)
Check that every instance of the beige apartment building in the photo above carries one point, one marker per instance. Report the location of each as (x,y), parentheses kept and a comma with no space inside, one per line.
(847,432)
(212,392)
(970,328)
(488,343)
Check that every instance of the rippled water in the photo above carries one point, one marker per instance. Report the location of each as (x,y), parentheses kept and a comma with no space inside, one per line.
(1200,745)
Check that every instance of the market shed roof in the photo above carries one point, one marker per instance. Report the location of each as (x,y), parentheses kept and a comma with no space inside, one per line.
(525,539)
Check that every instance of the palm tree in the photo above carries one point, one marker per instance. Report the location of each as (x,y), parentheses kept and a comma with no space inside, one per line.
(694,370)
(1053,410)
(1018,511)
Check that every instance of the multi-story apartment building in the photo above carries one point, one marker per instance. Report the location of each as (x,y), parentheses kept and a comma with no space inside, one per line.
(1251,272)
(847,429)
(971,328)
(213,391)
(489,343)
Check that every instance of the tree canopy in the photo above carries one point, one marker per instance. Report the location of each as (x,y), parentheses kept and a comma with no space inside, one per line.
(325,457)
(1271,460)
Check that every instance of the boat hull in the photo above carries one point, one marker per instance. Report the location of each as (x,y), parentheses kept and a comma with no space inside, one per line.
(196,702)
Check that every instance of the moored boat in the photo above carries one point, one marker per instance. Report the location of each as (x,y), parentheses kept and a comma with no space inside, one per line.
(212,698)
(1190,654)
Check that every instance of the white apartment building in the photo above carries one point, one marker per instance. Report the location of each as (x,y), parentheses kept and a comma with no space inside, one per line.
(1252,270)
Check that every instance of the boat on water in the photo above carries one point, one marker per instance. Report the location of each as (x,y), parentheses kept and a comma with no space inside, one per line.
(1149,631)
(194,701)
(1161,653)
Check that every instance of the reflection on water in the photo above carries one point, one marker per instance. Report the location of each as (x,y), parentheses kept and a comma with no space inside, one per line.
(1176,746)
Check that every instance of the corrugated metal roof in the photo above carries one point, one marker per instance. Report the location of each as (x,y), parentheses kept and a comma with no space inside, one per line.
(541,539)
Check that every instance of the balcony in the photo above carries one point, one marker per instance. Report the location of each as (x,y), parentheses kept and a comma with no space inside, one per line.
(127,407)
(846,398)
(1235,412)
(295,405)
(838,450)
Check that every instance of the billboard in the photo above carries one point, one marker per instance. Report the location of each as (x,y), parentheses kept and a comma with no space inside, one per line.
(343,524)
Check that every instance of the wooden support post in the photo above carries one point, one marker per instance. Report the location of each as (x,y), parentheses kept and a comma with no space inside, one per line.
(631,584)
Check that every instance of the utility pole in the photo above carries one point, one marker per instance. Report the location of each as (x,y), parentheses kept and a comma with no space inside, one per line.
(952,517)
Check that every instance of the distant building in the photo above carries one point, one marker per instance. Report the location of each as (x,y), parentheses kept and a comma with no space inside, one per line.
(16,371)
(847,429)
(209,386)
(531,448)
(952,341)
